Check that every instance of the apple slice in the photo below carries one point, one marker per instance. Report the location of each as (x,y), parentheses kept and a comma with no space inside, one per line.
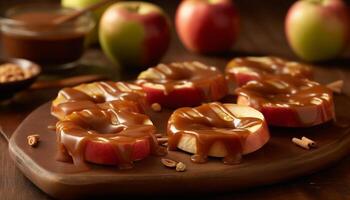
(109,137)
(244,69)
(288,101)
(218,130)
(182,84)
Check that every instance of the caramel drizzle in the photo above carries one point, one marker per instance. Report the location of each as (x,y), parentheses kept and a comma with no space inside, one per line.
(262,66)
(286,91)
(181,74)
(211,123)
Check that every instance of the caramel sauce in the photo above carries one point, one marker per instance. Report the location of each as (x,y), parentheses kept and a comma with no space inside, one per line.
(211,123)
(118,128)
(186,74)
(262,66)
(42,42)
(288,92)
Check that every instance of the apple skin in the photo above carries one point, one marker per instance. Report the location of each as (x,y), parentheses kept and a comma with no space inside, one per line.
(105,154)
(134,34)
(92,38)
(189,97)
(317,30)
(287,117)
(207,26)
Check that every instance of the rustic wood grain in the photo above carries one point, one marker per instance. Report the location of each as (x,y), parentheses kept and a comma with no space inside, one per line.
(261,34)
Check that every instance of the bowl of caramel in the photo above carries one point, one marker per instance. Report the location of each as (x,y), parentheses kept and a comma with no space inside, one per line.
(29,31)
(16,75)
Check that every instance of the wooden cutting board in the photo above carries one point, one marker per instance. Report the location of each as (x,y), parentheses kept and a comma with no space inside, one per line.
(278,160)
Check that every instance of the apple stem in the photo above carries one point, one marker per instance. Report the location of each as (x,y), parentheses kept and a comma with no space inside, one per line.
(316,1)
(134,8)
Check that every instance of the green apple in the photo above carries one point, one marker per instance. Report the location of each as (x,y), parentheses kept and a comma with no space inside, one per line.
(79,4)
(317,30)
(134,34)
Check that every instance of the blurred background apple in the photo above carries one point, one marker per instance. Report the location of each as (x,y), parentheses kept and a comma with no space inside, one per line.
(317,30)
(207,26)
(134,34)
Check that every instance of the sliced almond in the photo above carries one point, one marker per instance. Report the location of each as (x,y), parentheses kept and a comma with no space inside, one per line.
(168,162)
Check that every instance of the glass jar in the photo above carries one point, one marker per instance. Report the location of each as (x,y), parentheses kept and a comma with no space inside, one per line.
(29,32)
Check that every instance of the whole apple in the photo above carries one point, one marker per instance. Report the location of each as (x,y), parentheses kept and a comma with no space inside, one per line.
(207,26)
(79,4)
(134,34)
(317,30)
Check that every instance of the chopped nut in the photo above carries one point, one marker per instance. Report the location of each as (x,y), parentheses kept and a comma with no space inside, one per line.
(168,162)
(156,107)
(33,140)
(10,72)
(180,167)
(336,86)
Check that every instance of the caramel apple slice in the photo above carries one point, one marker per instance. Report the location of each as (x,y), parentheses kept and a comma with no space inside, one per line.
(244,69)
(108,137)
(218,130)
(182,84)
(288,101)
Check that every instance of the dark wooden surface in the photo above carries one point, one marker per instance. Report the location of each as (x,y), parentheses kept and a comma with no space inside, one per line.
(261,34)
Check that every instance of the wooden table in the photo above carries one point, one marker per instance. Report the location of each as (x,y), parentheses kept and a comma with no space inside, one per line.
(261,34)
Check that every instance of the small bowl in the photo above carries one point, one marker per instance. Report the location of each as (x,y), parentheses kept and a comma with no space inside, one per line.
(9,89)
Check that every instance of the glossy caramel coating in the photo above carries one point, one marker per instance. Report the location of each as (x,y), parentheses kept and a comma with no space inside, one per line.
(256,68)
(95,93)
(168,77)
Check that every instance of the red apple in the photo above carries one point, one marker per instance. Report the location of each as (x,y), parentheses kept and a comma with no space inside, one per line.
(317,30)
(207,26)
(134,34)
